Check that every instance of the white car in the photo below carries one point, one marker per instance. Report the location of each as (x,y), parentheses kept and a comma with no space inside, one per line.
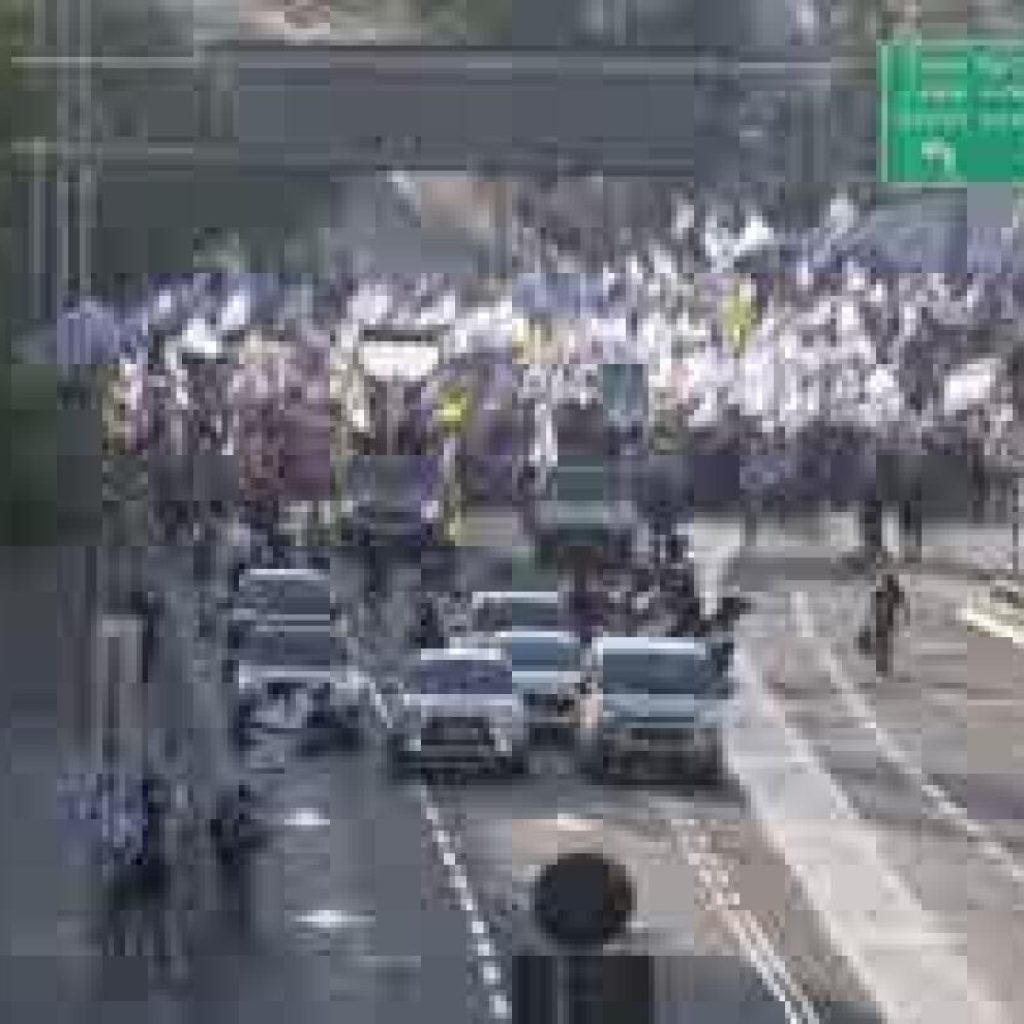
(651,702)
(459,708)
(547,668)
(294,676)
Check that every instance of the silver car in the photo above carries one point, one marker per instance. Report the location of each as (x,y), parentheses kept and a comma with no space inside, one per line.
(459,708)
(492,611)
(546,667)
(653,703)
(291,595)
(294,676)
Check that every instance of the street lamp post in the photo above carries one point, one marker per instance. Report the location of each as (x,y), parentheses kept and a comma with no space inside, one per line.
(1015,524)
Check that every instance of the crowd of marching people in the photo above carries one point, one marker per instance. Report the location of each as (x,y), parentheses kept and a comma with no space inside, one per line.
(805,364)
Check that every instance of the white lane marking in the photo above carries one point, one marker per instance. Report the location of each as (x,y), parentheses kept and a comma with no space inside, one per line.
(939,648)
(856,702)
(305,818)
(965,701)
(752,941)
(984,622)
(483,949)
(573,823)
(331,919)
(843,850)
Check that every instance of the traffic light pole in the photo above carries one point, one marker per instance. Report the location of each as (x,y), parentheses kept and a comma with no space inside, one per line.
(1015,526)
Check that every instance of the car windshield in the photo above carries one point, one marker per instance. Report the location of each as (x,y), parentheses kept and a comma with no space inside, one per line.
(541,654)
(657,672)
(287,596)
(582,485)
(493,616)
(313,649)
(391,476)
(461,676)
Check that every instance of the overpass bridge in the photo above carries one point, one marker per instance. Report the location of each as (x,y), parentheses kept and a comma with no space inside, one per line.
(366,108)
(300,114)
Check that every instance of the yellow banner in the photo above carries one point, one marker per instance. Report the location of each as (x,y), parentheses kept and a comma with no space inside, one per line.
(454,409)
(738,320)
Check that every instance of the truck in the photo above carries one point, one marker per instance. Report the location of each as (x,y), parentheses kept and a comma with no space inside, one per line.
(395,501)
(584,508)
(626,405)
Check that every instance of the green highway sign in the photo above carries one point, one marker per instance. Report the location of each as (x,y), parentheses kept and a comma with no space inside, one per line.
(951,113)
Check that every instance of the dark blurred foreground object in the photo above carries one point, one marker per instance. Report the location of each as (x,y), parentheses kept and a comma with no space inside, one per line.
(583,988)
(581,902)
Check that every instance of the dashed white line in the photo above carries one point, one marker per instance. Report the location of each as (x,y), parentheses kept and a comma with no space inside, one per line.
(483,949)
(994,851)
(500,1008)
(753,942)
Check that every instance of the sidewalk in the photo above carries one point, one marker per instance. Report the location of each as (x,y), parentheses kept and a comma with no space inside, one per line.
(44,888)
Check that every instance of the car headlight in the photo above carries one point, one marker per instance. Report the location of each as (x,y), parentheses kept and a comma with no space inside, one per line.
(346,690)
(408,720)
(246,679)
(430,511)
(705,736)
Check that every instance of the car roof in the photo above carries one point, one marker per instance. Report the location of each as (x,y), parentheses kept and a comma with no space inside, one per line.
(537,596)
(561,635)
(459,654)
(648,645)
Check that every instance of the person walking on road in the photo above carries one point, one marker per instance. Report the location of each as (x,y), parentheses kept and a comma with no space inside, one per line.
(912,523)
(153,867)
(582,602)
(145,605)
(237,833)
(754,485)
(887,601)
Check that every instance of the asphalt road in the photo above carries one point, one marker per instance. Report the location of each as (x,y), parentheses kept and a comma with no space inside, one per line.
(713,902)
(381,900)
(930,759)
